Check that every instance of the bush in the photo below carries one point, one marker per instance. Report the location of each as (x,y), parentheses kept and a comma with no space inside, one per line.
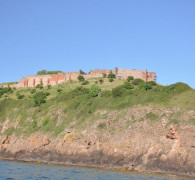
(80,90)
(59,90)
(49,87)
(5,91)
(85,82)
(104,75)
(117,91)
(106,93)
(96,82)
(19,96)
(40,86)
(101,81)
(152,83)
(42,72)
(137,81)
(128,85)
(111,75)
(130,78)
(45,121)
(94,90)
(144,85)
(39,98)
(111,79)
(33,91)
(80,78)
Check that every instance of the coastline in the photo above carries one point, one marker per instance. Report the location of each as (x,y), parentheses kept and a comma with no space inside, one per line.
(100,167)
(68,161)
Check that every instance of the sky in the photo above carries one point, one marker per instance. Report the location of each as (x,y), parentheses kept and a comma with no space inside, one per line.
(68,35)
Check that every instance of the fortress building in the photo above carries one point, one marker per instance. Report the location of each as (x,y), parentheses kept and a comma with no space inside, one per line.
(54,79)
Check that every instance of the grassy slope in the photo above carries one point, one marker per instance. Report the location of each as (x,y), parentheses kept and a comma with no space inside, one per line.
(75,110)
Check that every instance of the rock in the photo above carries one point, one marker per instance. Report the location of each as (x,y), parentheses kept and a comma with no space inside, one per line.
(172,134)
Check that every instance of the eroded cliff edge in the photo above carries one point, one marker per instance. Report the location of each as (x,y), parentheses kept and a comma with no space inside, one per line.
(128,124)
(145,145)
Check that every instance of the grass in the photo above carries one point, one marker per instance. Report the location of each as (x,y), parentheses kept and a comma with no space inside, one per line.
(75,105)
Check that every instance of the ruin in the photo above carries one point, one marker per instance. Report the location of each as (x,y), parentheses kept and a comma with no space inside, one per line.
(54,79)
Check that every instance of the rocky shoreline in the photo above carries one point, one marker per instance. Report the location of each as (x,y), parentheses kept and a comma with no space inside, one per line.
(174,159)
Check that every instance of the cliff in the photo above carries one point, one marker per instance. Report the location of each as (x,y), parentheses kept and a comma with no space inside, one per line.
(137,129)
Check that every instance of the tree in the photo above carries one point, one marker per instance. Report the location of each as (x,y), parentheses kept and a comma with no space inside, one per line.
(101,81)
(39,98)
(111,75)
(42,72)
(128,85)
(130,78)
(117,91)
(137,81)
(40,86)
(104,75)
(80,78)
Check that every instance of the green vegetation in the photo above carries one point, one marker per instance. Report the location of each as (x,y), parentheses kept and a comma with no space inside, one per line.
(111,76)
(44,72)
(85,82)
(81,78)
(130,78)
(72,105)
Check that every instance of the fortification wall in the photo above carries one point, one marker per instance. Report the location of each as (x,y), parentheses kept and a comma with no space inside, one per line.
(53,79)
(144,75)
(100,71)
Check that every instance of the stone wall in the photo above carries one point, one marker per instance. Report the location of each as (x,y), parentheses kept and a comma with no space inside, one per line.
(54,79)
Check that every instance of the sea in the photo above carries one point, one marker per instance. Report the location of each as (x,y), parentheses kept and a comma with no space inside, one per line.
(26,170)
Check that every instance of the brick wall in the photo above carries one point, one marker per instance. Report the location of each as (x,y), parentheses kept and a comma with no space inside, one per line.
(53,79)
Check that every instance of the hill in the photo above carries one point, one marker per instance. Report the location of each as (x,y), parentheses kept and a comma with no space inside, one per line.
(136,125)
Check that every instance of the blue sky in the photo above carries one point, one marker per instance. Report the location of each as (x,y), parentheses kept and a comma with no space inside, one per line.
(68,35)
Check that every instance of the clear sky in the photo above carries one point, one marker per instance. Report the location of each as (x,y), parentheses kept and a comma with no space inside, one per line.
(68,35)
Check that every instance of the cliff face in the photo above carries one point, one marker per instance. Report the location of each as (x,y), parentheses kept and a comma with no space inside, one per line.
(111,124)
(130,143)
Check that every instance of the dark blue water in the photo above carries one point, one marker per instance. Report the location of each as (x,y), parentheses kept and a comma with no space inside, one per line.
(25,170)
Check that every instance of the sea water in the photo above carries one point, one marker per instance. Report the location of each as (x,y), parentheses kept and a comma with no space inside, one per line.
(25,170)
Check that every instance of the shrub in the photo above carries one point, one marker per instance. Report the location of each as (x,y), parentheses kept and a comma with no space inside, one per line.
(19,96)
(5,91)
(94,90)
(130,78)
(96,82)
(128,85)
(106,93)
(81,89)
(152,83)
(47,93)
(45,121)
(104,75)
(33,91)
(111,79)
(80,78)
(137,81)
(85,82)
(40,86)
(39,98)
(59,90)
(117,91)
(111,75)
(101,81)
(144,85)
(49,87)
(42,72)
